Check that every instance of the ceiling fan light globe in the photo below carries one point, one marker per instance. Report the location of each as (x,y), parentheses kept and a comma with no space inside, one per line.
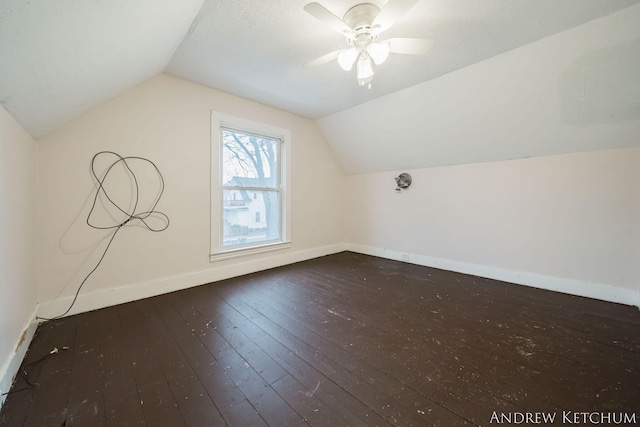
(379,52)
(365,68)
(347,58)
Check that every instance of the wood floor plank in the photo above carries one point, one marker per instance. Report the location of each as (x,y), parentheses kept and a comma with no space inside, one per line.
(313,410)
(194,402)
(159,405)
(232,404)
(262,397)
(85,404)
(337,364)
(351,409)
(257,358)
(50,397)
(156,400)
(121,399)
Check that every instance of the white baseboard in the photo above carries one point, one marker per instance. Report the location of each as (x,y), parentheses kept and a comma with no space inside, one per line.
(12,364)
(568,286)
(133,292)
(106,298)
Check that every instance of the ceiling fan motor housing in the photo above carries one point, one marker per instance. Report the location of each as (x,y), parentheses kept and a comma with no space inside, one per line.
(360,17)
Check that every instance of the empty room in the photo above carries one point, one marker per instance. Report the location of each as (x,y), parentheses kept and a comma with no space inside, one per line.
(332,213)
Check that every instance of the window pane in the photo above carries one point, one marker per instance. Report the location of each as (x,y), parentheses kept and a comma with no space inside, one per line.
(248,220)
(249,160)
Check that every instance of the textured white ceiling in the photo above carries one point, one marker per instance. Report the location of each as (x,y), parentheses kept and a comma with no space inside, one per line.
(60,58)
(256,49)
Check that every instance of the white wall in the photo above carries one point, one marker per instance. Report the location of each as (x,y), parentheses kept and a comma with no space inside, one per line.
(567,222)
(168,121)
(17,245)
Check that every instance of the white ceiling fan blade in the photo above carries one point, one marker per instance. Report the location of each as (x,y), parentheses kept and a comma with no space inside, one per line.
(391,12)
(322,14)
(409,46)
(324,59)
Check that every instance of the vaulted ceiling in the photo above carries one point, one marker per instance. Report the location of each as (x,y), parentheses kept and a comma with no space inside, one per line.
(58,59)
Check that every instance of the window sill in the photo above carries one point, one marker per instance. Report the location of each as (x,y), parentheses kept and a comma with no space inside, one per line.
(237,253)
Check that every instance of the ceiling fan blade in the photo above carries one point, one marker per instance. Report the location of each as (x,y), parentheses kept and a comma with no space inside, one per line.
(324,59)
(409,46)
(391,12)
(322,14)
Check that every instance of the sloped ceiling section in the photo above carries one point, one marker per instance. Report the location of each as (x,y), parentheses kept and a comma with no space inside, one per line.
(60,58)
(575,91)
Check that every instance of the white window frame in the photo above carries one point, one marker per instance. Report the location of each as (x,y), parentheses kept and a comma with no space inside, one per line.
(218,122)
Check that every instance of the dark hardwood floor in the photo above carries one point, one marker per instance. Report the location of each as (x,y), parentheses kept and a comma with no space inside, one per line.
(343,340)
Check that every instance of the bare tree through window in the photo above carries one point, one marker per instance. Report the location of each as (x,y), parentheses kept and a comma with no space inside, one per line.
(250,168)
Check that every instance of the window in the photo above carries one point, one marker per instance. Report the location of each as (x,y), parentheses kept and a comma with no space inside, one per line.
(249,203)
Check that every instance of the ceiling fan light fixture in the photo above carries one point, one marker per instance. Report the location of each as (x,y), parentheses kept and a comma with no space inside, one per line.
(362,25)
(379,52)
(365,69)
(347,58)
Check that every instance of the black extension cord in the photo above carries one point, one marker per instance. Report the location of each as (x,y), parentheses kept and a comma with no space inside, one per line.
(30,383)
(130,216)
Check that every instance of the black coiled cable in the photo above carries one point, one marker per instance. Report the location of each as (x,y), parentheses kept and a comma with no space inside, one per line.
(130,215)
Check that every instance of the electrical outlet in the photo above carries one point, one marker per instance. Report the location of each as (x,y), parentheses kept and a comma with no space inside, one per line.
(404,257)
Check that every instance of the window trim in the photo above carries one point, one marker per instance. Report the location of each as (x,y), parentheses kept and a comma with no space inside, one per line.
(218,121)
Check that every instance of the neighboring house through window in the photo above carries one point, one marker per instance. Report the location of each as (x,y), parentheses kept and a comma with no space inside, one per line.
(249,187)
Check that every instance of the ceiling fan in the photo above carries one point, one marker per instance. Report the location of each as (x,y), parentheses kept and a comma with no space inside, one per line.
(362,25)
